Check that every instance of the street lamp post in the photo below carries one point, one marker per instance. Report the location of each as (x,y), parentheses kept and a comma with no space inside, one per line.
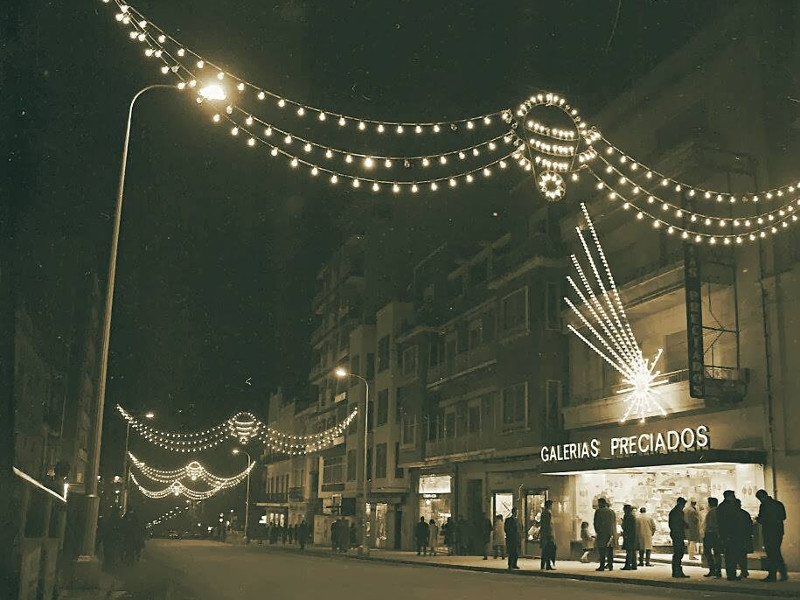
(247,495)
(126,467)
(211,92)
(341,373)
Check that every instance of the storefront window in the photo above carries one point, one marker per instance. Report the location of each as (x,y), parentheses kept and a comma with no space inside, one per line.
(503,503)
(534,503)
(657,488)
(376,524)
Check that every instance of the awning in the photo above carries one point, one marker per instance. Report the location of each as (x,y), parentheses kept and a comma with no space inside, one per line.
(677,459)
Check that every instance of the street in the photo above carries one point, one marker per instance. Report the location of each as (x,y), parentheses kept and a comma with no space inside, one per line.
(204,570)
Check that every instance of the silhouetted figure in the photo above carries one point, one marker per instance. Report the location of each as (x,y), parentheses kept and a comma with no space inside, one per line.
(728,521)
(645,529)
(449,529)
(692,518)
(745,529)
(353,535)
(511,527)
(605,531)
(112,539)
(499,538)
(547,538)
(677,532)
(771,515)
(421,534)
(433,536)
(302,534)
(484,527)
(132,536)
(629,537)
(711,540)
(462,536)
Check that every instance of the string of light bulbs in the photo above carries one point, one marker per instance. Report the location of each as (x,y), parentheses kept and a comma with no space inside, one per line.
(170,514)
(178,488)
(193,471)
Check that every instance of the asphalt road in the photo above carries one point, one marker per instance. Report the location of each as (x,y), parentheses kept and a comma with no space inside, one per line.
(203,570)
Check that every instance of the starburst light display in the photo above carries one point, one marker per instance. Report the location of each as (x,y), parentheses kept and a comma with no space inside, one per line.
(609,331)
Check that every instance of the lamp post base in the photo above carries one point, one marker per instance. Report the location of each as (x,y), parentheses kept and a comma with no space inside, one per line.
(363,550)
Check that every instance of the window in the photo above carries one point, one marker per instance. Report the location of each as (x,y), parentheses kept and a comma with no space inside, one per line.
(410,361)
(332,470)
(383,408)
(398,405)
(409,430)
(552,412)
(474,334)
(462,333)
(488,324)
(487,412)
(515,406)
(351,465)
(450,347)
(370,366)
(474,417)
(344,339)
(380,461)
(677,354)
(435,351)
(552,305)
(515,310)
(355,364)
(434,428)
(399,473)
(383,353)
(450,424)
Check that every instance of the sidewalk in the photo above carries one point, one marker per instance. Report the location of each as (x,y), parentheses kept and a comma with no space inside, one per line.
(656,576)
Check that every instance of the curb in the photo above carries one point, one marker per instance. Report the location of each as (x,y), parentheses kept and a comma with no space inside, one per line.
(766,591)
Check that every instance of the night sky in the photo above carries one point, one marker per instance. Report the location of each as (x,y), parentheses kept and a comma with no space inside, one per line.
(219,245)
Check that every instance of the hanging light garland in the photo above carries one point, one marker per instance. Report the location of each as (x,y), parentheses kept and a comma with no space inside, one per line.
(612,330)
(177,488)
(554,148)
(242,427)
(193,471)
(171,514)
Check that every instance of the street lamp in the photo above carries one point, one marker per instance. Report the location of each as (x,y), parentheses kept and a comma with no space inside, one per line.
(342,373)
(126,469)
(210,92)
(247,497)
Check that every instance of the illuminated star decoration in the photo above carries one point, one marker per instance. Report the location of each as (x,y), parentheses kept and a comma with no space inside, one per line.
(613,337)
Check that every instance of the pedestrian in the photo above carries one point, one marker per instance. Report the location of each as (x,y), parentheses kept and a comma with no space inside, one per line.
(335,535)
(302,534)
(352,535)
(112,539)
(433,536)
(692,528)
(586,542)
(745,529)
(499,538)
(728,522)
(711,541)
(547,539)
(133,534)
(449,535)
(485,531)
(771,515)
(629,537)
(462,536)
(344,535)
(645,529)
(284,533)
(677,531)
(605,531)
(291,533)
(511,529)
(421,534)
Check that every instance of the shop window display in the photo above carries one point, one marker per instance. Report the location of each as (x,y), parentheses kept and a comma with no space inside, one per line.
(657,488)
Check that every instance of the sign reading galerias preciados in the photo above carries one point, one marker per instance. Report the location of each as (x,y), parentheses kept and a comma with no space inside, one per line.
(661,442)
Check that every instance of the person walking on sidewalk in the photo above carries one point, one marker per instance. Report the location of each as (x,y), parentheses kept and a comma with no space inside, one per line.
(449,533)
(711,542)
(771,515)
(499,538)
(605,531)
(629,537)
(645,529)
(546,537)
(692,528)
(513,538)
(433,536)
(302,534)
(421,534)
(677,531)
(728,523)
(485,531)
(745,529)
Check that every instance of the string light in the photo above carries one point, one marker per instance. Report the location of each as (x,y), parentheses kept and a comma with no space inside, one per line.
(193,471)
(613,332)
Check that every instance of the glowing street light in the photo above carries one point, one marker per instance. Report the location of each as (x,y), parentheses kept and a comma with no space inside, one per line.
(149,415)
(342,373)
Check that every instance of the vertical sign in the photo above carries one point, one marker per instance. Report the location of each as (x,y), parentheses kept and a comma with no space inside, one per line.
(694,320)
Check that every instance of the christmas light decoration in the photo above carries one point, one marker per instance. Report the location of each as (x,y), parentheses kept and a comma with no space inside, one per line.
(178,488)
(613,336)
(193,471)
(242,427)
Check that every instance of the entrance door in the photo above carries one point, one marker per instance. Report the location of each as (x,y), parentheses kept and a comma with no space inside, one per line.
(534,503)
(398,528)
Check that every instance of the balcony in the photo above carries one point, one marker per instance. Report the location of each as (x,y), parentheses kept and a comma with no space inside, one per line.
(296,494)
(463,363)
(277,498)
(471,443)
(534,252)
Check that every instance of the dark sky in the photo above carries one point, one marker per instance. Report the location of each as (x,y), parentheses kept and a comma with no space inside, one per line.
(219,245)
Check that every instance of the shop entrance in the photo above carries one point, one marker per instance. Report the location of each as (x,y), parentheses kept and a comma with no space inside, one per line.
(534,504)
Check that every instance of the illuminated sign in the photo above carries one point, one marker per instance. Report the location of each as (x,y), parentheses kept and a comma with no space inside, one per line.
(434,484)
(662,442)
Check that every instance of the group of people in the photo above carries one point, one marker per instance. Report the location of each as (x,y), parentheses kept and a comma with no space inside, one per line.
(296,533)
(120,537)
(727,530)
(426,537)
(343,537)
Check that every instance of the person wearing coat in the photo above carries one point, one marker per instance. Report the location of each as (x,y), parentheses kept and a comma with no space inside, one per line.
(677,531)
(449,529)
(771,515)
(692,528)
(513,539)
(546,537)
(485,529)
(629,543)
(499,537)
(433,537)
(605,531)
(645,529)
(421,534)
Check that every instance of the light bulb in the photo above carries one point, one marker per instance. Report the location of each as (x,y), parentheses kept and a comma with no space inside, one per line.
(380,128)
(418,129)
(387,163)
(328,154)
(342,122)
(369,163)
(301,111)
(399,129)
(321,116)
